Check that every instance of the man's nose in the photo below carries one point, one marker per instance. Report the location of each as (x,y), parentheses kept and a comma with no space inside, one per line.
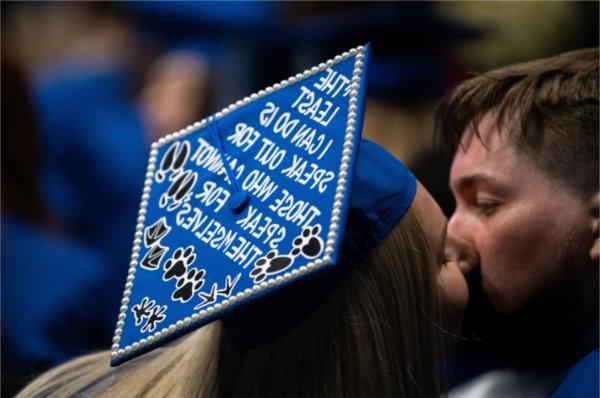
(462,240)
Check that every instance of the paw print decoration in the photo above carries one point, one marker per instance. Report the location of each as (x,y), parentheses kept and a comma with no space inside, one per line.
(189,284)
(308,245)
(176,266)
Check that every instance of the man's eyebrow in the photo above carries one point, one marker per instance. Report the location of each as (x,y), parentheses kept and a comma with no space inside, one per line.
(471,180)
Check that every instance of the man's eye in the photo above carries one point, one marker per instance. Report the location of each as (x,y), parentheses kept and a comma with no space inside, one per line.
(487,208)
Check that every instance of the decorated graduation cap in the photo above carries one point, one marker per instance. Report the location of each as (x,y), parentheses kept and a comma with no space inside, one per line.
(253,201)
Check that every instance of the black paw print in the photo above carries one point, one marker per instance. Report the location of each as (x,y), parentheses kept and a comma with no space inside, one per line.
(188,285)
(178,264)
(272,263)
(181,185)
(173,160)
(309,244)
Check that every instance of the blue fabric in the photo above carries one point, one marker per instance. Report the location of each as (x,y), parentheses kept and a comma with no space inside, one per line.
(53,296)
(93,157)
(383,189)
(233,15)
(581,380)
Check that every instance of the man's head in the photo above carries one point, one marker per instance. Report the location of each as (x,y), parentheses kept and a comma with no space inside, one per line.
(525,169)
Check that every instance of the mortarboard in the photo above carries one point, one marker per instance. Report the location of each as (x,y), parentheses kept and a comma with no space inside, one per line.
(252,201)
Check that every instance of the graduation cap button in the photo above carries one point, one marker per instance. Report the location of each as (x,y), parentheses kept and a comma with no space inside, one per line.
(238,201)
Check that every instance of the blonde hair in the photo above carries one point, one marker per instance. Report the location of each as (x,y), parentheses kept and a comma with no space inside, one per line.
(377,334)
(176,370)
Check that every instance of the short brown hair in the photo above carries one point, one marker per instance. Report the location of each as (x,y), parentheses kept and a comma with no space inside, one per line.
(555,103)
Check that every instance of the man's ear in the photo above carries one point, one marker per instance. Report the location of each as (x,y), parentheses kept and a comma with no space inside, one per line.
(595,225)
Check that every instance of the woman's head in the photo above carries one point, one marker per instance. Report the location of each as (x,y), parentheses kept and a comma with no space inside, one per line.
(379,332)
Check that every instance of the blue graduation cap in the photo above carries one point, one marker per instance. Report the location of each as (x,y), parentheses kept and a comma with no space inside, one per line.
(240,205)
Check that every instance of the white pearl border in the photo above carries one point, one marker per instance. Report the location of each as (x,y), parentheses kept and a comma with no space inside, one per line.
(116,351)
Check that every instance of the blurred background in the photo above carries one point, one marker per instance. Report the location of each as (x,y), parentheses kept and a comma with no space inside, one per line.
(87,86)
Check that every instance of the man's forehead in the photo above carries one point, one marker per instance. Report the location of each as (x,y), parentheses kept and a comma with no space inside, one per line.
(484,151)
(484,130)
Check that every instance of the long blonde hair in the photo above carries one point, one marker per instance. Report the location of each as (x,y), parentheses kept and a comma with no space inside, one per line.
(378,334)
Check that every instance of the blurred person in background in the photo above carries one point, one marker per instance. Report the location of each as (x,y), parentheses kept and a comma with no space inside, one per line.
(176,92)
(80,173)
(94,147)
(53,286)
(99,110)
(97,127)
